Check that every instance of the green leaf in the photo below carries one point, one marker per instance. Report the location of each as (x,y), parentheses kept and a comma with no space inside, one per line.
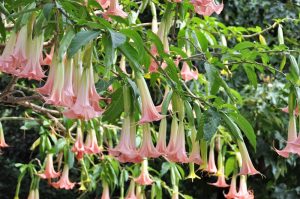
(131,54)
(202,39)
(29,125)
(80,39)
(250,71)
(115,109)
(70,159)
(2,31)
(213,78)
(246,127)
(211,119)
(65,43)
(243,45)
(235,131)
(230,166)
(189,113)
(117,38)
(166,103)
(156,40)
(47,10)
(165,168)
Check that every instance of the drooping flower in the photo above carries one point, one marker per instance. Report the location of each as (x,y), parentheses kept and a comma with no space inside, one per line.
(104,3)
(243,192)
(173,136)
(203,151)
(195,153)
(93,95)
(161,143)
(82,109)
(48,59)
(64,182)
(31,194)
(49,169)
(5,58)
(232,190)
(211,167)
(77,72)
(131,191)
(91,143)
(147,149)
(2,139)
(221,182)
(32,68)
(188,74)
(114,10)
(125,151)
(286,110)
(292,139)
(207,7)
(78,148)
(179,152)
(149,112)
(68,95)
(247,166)
(37,194)
(175,194)
(144,177)
(105,193)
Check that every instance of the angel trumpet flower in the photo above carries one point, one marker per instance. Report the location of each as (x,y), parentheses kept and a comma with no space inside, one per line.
(2,139)
(211,167)
(232,190)
(131,191)
(49,170)
(243,192)
(105,193)
(144,178)
(188,74)
(221,182)
(172,141)
(149,112)
(114,10)
(91,143)
(292,139)
(33,69)
(48,59)
(64,182)
(93,95)
(5,58)
(147,149)
(78,147)
(104,3)
(161,143)
(195,153)
(77,72)
(175,194)
(179,152)
(82,109)
(247,166)
(207,7)
(31,194)
(68,95)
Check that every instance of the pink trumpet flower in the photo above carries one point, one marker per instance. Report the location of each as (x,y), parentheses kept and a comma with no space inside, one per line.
(68,95)
(286,110)
(2,139)
(243,191)
(64,182)
(105,193)
(211,167)
(232,190)
(18,57)
(147,149)
(144,178)
(114,10)
(125,151)
(48,59)
(187,74)
(179,152)
(247,166)
(131,191)
(149,112)
(33,69)
(207,7)
(49,170)
(195,153)
(104,3)
(221,182)
(291,146)
(91,143)
(78,147)
(5,58)
(174,130)
(48,86)
(77,72)
(82,109)
(93,95)
(161,143)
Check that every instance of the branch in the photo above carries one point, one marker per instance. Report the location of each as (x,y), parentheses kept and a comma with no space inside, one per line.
(263,31)
(39,109)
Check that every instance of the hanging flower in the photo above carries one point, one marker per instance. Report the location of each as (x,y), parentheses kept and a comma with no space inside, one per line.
(179,152)
(147,149)
(114,10)
(247,166)
(243,192)
(105,193)
(91,143)
(31,194)
(221,182)
(144,178)
(5,58)
(48,59)
(78,147)
(64,182)
(2,139)
(149,112)
(211,168)
(49,170)
(131,191)
(161,143)
(104,3)
(195,153)
(232,190)
(93,94)
(68,95)
(174,130)
(32,68)
(207,7)
(187,74)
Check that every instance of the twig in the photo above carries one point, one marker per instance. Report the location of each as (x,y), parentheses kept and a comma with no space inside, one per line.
(39,108)
(265,30)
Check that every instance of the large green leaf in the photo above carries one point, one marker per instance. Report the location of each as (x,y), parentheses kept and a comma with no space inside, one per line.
(116,107)
(235,131)
(211,121)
